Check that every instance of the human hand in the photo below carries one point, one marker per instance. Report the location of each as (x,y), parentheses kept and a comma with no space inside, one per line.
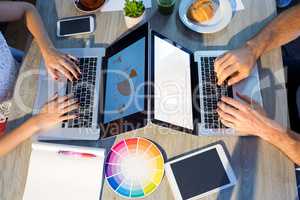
(58,63)
(54,112)
(252,103)
(235,65)
(246,118)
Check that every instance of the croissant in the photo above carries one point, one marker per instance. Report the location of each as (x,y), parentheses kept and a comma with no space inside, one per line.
(201,11)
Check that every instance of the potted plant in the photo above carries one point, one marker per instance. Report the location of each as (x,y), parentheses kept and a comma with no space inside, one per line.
(134,11)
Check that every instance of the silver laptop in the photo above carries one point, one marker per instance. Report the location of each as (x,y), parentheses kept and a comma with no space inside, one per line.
(104,90)
(186,94)
(86,90)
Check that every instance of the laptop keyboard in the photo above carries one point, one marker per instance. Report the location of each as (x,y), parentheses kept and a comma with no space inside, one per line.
(83,91)
(211,94)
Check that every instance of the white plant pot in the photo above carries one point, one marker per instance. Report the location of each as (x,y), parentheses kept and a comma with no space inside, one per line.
(132,21)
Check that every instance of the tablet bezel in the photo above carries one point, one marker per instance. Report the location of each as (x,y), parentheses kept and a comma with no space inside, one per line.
(139,119)
(226,165)
(193,72)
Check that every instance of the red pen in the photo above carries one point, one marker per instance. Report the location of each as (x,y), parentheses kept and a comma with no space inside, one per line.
(77,154)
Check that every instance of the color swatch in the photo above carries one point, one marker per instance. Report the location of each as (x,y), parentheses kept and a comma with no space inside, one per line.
(134,168)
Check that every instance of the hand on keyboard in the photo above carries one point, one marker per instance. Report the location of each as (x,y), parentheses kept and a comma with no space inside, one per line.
(55,112)
(235,65)
(211,94)
(246,118)
(83,91)
(58,63)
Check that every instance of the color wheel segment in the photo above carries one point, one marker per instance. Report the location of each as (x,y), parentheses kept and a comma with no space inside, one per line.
(134,168)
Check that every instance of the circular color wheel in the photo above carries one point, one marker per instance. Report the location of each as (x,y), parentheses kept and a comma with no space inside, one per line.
(134,168)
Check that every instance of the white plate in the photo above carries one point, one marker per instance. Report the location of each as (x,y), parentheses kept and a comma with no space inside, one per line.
(220,20)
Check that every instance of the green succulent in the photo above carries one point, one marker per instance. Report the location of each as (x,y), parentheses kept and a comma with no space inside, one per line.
(134,8)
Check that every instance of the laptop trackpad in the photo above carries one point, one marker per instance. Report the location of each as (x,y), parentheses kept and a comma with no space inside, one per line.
(250,87)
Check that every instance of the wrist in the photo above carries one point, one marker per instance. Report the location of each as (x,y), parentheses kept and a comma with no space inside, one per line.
(47,50)
(253,48)
(28,129)
(270,132)
(34,124)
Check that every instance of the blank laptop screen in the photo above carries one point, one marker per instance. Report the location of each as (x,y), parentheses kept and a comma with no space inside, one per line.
(173,98)
(124,90)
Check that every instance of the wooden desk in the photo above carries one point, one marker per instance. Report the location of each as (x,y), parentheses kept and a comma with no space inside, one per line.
(263,172)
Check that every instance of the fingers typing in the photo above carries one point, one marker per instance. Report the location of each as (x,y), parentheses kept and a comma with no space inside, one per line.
(65,72)
(226,73)
(71,67)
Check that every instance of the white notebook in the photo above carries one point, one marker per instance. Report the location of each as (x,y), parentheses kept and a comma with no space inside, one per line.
(63,172)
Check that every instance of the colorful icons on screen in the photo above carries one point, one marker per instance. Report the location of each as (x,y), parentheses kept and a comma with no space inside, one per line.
(134,168)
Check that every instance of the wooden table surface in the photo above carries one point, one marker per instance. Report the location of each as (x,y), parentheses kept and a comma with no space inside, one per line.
(262,171)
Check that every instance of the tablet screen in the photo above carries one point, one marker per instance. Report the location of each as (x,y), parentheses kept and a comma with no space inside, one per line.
(172,79)
(124,90)
(199,174)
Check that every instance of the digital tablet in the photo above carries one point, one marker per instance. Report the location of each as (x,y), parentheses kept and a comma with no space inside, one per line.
(199,174)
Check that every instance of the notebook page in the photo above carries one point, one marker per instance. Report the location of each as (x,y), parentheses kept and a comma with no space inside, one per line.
(61,176)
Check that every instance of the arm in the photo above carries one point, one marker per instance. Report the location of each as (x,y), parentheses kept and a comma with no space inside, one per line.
(55,61)
(248,119)
(237,64)
(52,113)
(10,140)
(280,31)
(285,140)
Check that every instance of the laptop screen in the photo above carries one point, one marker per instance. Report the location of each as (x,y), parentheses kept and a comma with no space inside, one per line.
(172,79)
(125,79)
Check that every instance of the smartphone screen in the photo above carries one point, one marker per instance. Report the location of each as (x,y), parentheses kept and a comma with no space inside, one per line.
(74,26)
